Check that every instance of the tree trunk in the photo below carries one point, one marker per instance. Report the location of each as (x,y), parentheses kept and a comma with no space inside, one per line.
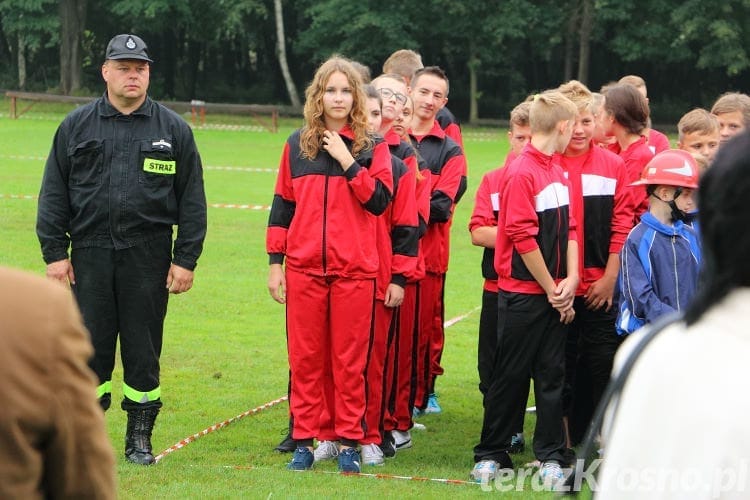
(21,62)
(570,36)
(72,22)
(584,47)
(281,52)
(472,65)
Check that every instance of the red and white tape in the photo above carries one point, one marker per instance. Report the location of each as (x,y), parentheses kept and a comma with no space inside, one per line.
(367,475)
(216,427)
(184,442)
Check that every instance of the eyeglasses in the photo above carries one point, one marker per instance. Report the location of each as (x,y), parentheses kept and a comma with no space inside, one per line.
(388,93)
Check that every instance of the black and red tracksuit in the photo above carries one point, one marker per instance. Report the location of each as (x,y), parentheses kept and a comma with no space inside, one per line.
(486,208)
(400,370)
(398,243)
(447,165)
(534,215)
(449,123)
(323,222)
(601,199)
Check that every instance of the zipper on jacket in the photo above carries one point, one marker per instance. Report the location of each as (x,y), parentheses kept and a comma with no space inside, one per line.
(325,221)
(676,277)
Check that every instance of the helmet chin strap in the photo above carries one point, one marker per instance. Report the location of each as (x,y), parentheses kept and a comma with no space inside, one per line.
(677,214)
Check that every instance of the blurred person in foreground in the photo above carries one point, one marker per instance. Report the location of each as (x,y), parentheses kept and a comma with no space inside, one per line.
(687,389)
(53,443)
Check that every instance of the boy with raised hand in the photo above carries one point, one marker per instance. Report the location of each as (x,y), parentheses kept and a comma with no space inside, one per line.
(657,141)
(698,133)
(600,198)
(447,164)
(483,229)
(733,112)
(661,258)
(406,62)
(536,260)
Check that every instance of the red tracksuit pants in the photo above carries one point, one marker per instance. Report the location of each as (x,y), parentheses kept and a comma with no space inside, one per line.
(329,321)
(376,375)
(431,335)
(401,363)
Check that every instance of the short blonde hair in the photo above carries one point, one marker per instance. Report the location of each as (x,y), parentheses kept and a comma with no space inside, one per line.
(579,94)
(597,99)
(404,62)
(698,120)
(605,88)
(634,80)
(519,116)
(548,109)
(731,102)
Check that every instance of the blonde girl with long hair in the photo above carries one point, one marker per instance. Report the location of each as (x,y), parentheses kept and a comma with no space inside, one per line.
(334,180)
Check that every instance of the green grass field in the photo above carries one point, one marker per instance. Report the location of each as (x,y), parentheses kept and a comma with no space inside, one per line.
(224,346)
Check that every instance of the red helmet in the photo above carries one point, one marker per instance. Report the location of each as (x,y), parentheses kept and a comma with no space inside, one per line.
(673,167)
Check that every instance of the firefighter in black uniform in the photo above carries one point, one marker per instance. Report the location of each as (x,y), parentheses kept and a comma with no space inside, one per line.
(122,172)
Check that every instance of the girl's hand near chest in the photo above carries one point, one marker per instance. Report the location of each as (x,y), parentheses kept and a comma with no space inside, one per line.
(335,146)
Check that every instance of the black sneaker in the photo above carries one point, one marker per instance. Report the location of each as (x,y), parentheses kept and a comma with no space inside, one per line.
(388,445)
(287,445)
(569,457)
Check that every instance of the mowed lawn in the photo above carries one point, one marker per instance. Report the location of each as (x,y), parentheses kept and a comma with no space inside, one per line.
(224,346)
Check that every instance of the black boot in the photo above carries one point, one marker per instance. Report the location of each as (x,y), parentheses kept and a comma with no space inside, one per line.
(138,436)
(287,445)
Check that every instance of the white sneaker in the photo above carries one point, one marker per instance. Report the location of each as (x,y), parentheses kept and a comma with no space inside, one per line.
(418,427)
(371,454)
(401,439)
(484,471)
(326,450)
(552,475)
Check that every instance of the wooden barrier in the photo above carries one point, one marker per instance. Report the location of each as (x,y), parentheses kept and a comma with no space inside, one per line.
(197,108)
(34,97)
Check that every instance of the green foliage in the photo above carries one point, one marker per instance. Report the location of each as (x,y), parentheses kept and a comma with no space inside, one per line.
(716,33)
(30,26)
(350,28)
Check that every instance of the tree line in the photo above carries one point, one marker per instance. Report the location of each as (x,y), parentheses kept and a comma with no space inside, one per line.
(495,52)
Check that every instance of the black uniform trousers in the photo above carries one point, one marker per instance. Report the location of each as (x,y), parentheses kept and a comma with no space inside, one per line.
(594,342)
(531,341)
(124,292)
(487,349)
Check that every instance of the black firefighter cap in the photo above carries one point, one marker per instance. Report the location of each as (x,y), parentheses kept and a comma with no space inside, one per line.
(127,47)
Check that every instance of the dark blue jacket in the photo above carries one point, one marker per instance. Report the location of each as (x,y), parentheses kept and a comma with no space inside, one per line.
(659,267)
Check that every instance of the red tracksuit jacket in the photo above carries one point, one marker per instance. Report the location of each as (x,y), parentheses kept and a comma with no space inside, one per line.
(406,152)
(398,231)
(636,157)
(447,165)
(534,213)
(600,198)
(486,208)
(323,219)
